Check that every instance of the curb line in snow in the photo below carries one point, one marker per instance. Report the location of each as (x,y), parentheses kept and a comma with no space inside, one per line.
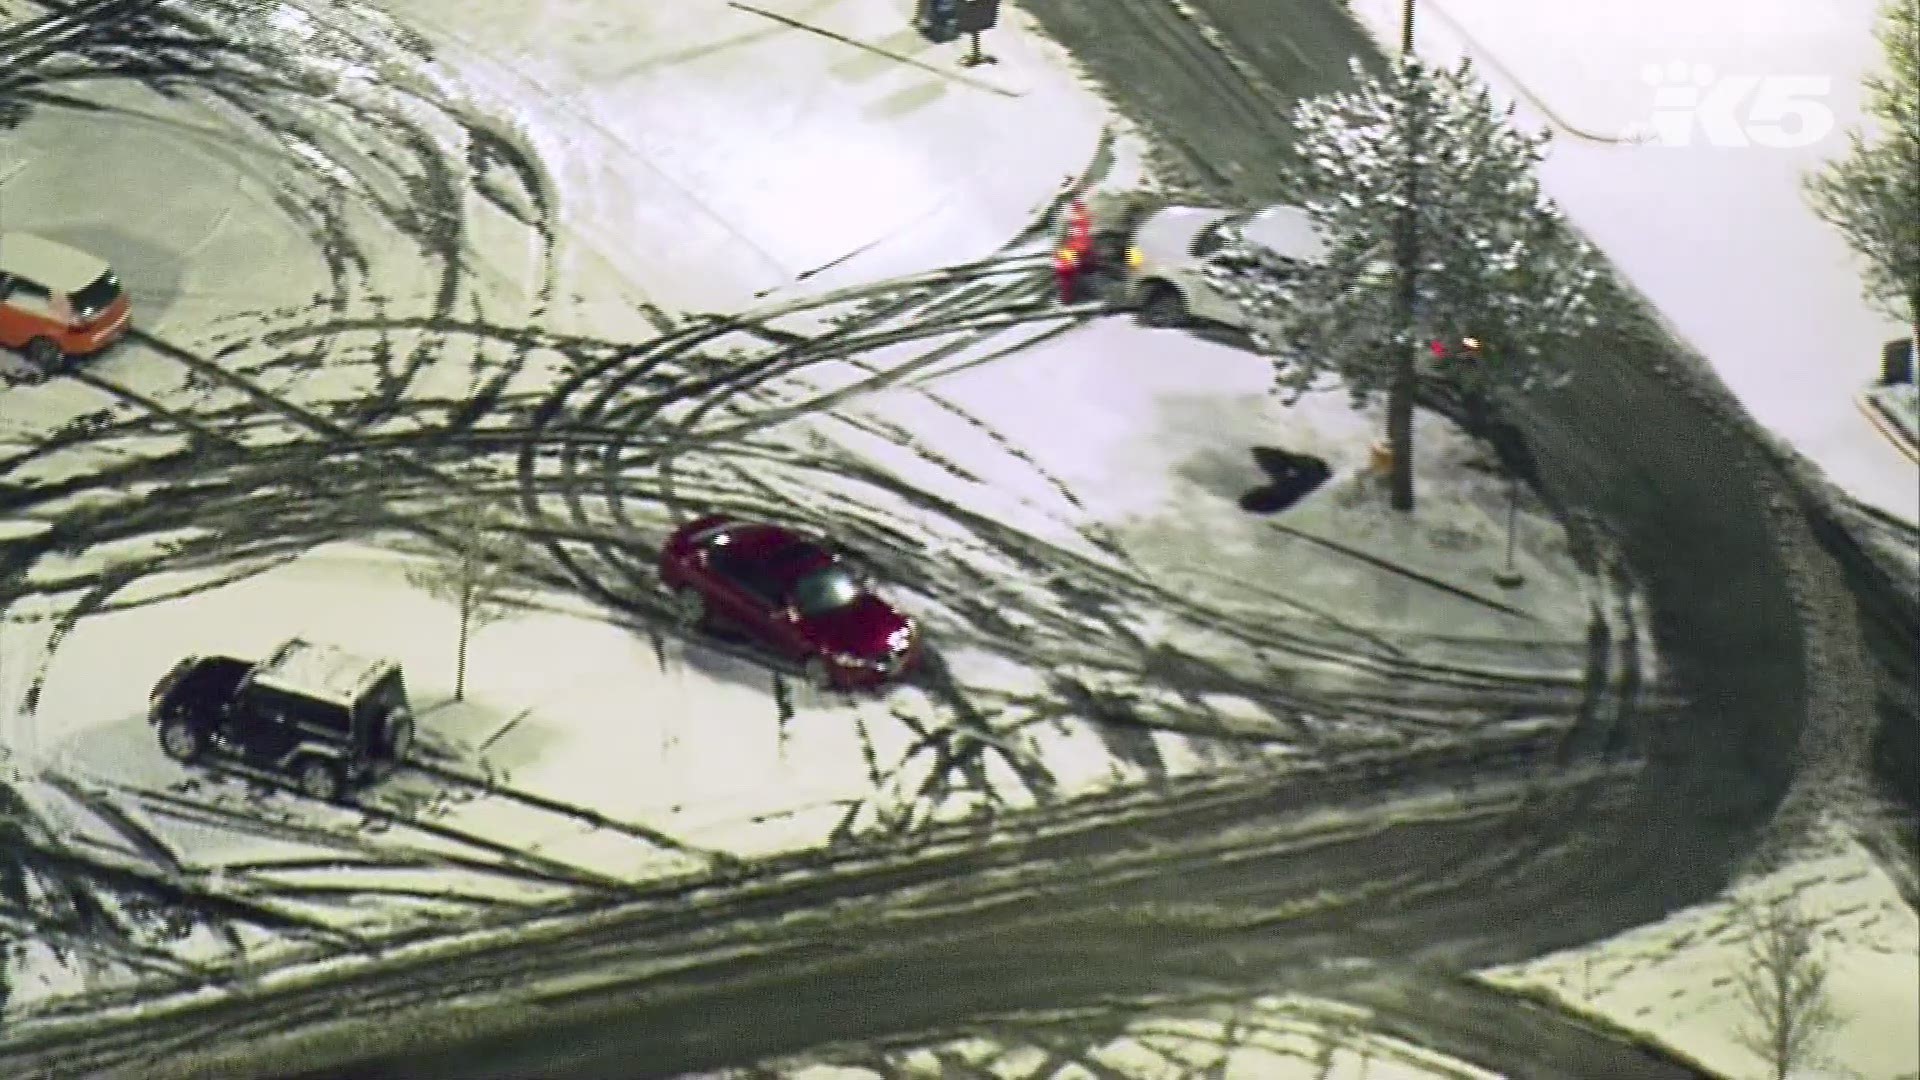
(1885,423)
(1542,998)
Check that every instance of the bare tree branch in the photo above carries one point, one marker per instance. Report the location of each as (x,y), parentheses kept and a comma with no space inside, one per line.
(1782,988)
(477,572)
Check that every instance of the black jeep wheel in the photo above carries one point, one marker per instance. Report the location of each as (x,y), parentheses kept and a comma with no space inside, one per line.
(45,354)
(320,779)
(181,740)
(1162,306)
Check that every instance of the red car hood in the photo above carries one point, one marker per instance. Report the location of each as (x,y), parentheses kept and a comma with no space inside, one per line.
(861,628)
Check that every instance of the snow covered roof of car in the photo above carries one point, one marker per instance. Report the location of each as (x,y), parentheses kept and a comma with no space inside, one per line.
(320,671)
(1287,231)
(49,262)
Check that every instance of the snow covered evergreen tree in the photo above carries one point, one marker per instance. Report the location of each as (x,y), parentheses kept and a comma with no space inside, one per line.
(1427,198)
(1872,195)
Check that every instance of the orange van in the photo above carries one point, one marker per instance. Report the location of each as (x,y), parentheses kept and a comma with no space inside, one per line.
(57,302)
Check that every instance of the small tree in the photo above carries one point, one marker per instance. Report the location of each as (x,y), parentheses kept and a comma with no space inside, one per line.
(473,571)
(1427,199)
(1872,194)
(1782,988)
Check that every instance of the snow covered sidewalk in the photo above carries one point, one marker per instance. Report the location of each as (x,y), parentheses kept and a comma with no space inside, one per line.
(1720,238)
(1675,981)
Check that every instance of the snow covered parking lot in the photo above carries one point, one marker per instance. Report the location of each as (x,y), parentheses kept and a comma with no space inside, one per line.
(1056,494)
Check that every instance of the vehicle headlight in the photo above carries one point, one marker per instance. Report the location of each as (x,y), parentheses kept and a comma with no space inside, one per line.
(1136,258)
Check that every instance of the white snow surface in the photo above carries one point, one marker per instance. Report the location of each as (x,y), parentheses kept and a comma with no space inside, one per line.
(1267,1038)
(1673,980)
(1721,238)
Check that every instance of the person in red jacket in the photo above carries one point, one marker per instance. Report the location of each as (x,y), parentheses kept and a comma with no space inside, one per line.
(1075,256)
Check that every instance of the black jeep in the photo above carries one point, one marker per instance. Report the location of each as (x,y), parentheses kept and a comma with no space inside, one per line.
(324,718)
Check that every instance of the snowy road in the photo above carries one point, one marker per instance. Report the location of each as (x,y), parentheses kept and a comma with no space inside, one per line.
(1297,874)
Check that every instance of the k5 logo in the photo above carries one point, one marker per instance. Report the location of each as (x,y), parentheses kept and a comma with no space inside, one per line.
(1778,112)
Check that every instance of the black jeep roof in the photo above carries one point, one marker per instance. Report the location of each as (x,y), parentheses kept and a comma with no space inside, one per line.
(326,672)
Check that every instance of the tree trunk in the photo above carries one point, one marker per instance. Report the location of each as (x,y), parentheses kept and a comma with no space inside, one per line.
(460,654)
(1400,431)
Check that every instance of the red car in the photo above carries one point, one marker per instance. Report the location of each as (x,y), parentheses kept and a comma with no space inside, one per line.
(57,302)
(790,594)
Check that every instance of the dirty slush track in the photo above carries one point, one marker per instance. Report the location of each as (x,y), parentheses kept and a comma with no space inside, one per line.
(637,434)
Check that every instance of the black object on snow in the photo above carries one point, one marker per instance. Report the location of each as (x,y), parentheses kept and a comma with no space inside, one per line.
(1291,477)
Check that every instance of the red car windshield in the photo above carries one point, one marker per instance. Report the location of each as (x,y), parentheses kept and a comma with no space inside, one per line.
(828,589)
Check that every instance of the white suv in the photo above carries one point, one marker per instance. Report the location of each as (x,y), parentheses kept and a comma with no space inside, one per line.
(1172,246)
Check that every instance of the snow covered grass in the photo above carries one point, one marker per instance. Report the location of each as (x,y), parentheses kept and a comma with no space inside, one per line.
(1268,1038)
(1153,431)
(1675,981)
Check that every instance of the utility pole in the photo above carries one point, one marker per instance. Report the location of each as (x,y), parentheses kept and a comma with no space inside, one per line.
(1405,377)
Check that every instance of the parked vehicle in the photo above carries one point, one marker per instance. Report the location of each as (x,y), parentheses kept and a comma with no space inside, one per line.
(792,595)
(1169,248)
(57,302)
(323,718)
(1173,246)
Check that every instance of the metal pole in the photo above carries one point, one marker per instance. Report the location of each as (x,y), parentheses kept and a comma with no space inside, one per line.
(1406,28)
(1510,577)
